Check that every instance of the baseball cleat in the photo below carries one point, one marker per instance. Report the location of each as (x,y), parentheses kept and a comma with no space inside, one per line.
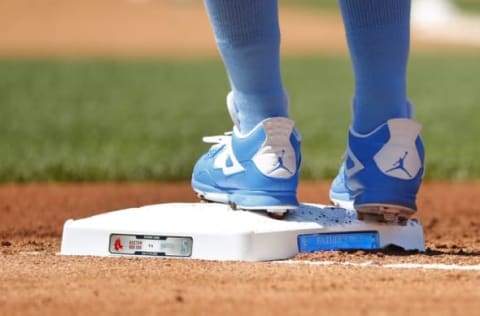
(382,172)
(385,213)
(277,213)
(339,193)
(255,171)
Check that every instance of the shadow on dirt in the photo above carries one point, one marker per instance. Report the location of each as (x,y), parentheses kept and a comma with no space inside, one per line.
(396,251)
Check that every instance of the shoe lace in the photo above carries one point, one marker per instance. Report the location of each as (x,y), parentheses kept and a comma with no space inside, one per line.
(218,141)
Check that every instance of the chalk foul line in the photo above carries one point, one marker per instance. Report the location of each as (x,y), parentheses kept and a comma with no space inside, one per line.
(371,264)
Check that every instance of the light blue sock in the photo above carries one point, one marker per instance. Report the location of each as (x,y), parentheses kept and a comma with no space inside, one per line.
(248,37)
(378,36)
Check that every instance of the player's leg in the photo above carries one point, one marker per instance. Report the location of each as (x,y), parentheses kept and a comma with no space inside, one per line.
(378,38)
(256,167)
(384,160)
(248,38)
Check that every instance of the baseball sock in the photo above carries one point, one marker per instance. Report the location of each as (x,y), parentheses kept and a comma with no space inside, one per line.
(378,36)
(248,37)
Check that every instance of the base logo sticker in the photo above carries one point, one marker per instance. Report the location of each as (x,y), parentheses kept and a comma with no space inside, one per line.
(151,245)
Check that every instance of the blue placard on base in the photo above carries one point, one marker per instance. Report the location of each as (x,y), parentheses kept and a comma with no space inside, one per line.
(368,240)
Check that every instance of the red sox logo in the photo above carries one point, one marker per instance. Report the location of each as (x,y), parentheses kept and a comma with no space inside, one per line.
(118,244)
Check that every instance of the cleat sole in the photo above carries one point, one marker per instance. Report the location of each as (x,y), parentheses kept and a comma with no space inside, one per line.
(392,214)
(274,211)
(277,214)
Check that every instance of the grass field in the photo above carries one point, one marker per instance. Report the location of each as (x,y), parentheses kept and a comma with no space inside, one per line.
(470,5)
(473,5)
(143,120)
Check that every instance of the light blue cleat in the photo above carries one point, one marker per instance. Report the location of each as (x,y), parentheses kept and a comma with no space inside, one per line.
(256,171)
(339,193)
(382,172)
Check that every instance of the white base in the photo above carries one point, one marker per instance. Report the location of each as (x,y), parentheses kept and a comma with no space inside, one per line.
(216,232)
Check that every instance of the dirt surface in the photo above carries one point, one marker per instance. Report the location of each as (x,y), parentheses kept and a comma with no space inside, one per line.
(35,280)
(161,28)
(171,29)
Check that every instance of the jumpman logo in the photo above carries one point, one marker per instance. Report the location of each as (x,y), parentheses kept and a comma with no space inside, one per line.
(280,164)
(400,165)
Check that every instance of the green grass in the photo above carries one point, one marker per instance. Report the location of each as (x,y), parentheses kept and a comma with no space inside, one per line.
(143,120)
(469,5)
(323,4)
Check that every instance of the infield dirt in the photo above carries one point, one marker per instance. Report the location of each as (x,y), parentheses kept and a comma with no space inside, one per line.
(158,29)
(35,280)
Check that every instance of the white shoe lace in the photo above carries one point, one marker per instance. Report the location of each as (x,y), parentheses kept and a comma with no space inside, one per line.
(218,139)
